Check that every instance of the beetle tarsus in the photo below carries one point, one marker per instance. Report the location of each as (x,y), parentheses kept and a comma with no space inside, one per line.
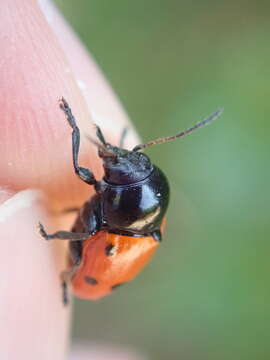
(42,231)
(65,295)
(63,235)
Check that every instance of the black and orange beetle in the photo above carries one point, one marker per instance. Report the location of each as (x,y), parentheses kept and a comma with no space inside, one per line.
(118,229)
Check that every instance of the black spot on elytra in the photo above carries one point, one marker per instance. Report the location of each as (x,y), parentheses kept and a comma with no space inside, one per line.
(109,250)
(116,286)
(91,281)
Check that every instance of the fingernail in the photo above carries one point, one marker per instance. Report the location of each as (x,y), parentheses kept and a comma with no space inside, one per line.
(103,352)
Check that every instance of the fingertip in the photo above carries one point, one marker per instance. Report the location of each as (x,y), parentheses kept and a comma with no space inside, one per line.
(31,311)
(103,105)
(35,139)
(34,136)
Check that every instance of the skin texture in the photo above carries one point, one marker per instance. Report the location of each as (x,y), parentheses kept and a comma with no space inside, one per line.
(41,61)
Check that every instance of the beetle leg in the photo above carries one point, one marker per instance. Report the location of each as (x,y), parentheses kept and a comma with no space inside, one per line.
(65,292)
(66,277)
(62,235)
(84,174)
(157,235)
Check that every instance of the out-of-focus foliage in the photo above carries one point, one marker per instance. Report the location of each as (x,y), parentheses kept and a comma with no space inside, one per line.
(206,294)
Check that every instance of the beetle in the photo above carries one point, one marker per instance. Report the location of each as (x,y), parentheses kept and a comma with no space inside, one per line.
(119,228)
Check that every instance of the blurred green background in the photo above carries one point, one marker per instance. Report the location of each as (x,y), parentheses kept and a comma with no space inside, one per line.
(206,293)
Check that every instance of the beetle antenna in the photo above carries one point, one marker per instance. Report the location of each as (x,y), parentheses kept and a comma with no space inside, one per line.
(200,124)
(100,135)
(123,136)
(102,150)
